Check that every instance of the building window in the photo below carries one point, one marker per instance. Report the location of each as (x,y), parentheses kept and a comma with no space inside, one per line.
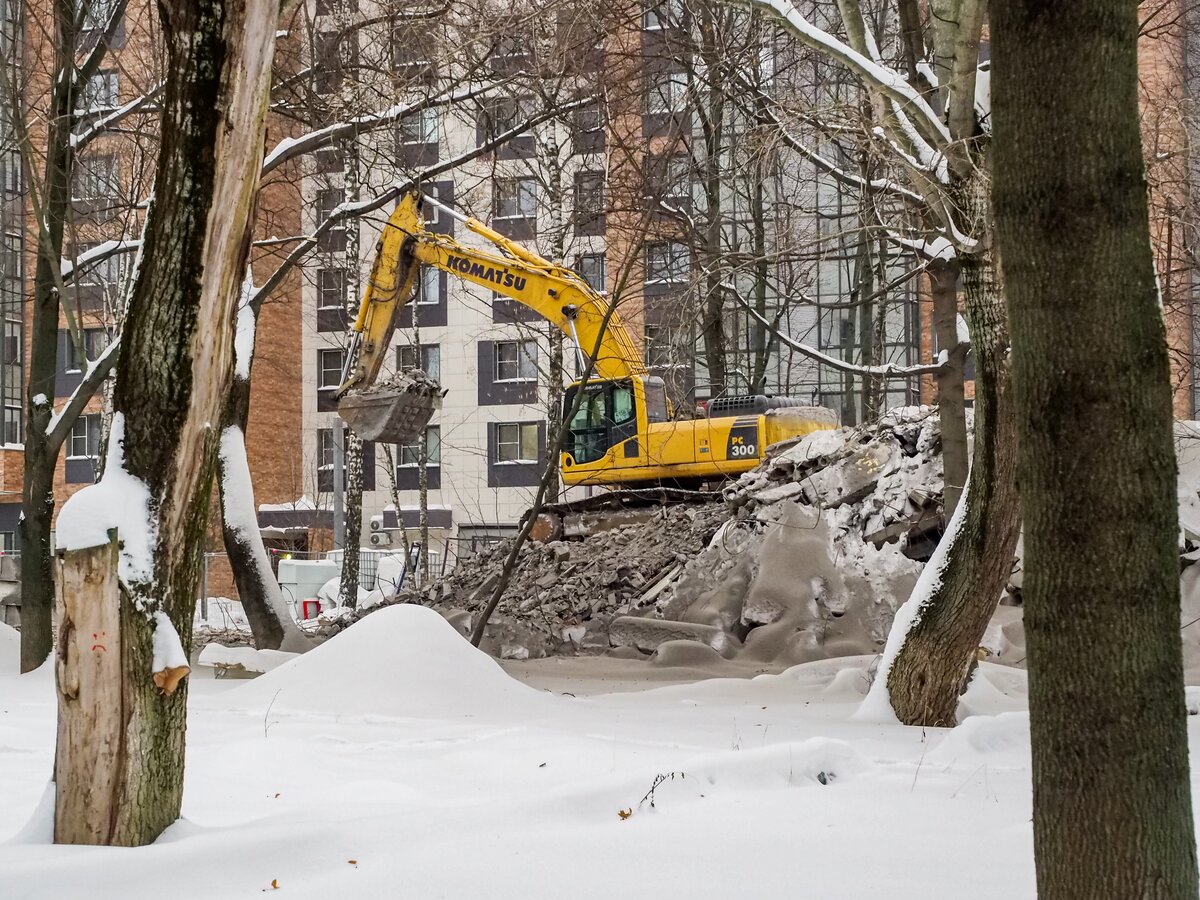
(516,361)
(430,363)
(96,177)
(593,268)
(431,212)
(667,261)
(327,62)
(85,438)
(329,369)
(429,286)
(411,42)
(100,91)
(589,118)
(517,442)
(94,342)
(326,201)
(515,198)
(589,198)
(327,159)
(504,114)
(329,7)
(667,93)
(420,127)
(669,179)
(660,14)
(409,455)
(331,288)
(8,542)
(325,449)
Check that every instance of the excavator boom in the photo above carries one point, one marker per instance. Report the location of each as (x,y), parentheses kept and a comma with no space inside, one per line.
(398,411)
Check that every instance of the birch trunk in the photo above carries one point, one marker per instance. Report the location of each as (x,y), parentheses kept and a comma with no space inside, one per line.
(177,351)
(352,501)
(1112,802)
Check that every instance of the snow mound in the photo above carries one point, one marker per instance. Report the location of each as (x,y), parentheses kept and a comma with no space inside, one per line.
(402,661)
(997,740)
(10,648)
(994,689)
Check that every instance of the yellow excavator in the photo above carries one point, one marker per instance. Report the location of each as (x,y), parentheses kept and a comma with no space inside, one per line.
(622,432)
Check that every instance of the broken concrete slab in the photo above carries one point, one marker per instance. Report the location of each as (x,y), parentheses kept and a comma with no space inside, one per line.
(648,635)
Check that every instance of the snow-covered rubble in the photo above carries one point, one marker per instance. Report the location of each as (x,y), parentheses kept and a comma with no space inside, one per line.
(806,557)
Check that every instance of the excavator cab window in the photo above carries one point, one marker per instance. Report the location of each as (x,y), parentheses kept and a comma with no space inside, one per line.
(606,416)
(657,409)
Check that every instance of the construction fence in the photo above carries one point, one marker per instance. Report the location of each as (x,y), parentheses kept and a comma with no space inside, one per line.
(444,556)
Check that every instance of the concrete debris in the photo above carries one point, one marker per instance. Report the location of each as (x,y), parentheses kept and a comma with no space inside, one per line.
(807,556)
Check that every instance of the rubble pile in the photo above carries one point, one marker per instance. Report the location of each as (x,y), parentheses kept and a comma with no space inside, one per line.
(808,556)
(824,542)
(563,594)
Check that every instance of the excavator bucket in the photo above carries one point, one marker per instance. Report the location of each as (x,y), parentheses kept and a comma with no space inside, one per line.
(395,412)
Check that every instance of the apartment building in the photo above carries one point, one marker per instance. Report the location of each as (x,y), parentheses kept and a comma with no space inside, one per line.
(612,183)
(107,203)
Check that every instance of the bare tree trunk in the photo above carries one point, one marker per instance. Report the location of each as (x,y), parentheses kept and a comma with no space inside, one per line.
(258,589)
(929,671)
(177,351)
(37,579)
(42,448)
(348,589)
(394,490)
(422,474)
(352,501)
(1112,800)
(943,280)
(761,343)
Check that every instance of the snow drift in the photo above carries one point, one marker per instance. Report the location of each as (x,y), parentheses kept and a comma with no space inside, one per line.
(408,662)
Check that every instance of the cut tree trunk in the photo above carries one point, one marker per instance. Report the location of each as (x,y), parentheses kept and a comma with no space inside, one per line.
(177,356)
(88,668)
(1112,802)
(930,670)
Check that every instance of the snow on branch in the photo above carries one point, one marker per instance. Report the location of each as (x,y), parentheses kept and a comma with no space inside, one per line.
(95,255)
(61,421)
(290,148)
(936,249)
(829,167)
(114,116)
(888,81)
(888,370)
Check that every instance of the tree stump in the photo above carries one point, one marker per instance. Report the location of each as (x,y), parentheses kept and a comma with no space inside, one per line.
(87,767)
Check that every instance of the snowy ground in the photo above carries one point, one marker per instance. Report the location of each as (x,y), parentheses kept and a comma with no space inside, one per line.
(396,761)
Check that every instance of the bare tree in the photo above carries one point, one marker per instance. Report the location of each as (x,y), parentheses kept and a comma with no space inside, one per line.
(1112,811)
(119,764)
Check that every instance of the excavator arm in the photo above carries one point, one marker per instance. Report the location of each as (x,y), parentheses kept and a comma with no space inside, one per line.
(554,293)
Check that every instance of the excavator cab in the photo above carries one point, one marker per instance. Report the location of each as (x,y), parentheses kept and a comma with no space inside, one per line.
(608,414)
